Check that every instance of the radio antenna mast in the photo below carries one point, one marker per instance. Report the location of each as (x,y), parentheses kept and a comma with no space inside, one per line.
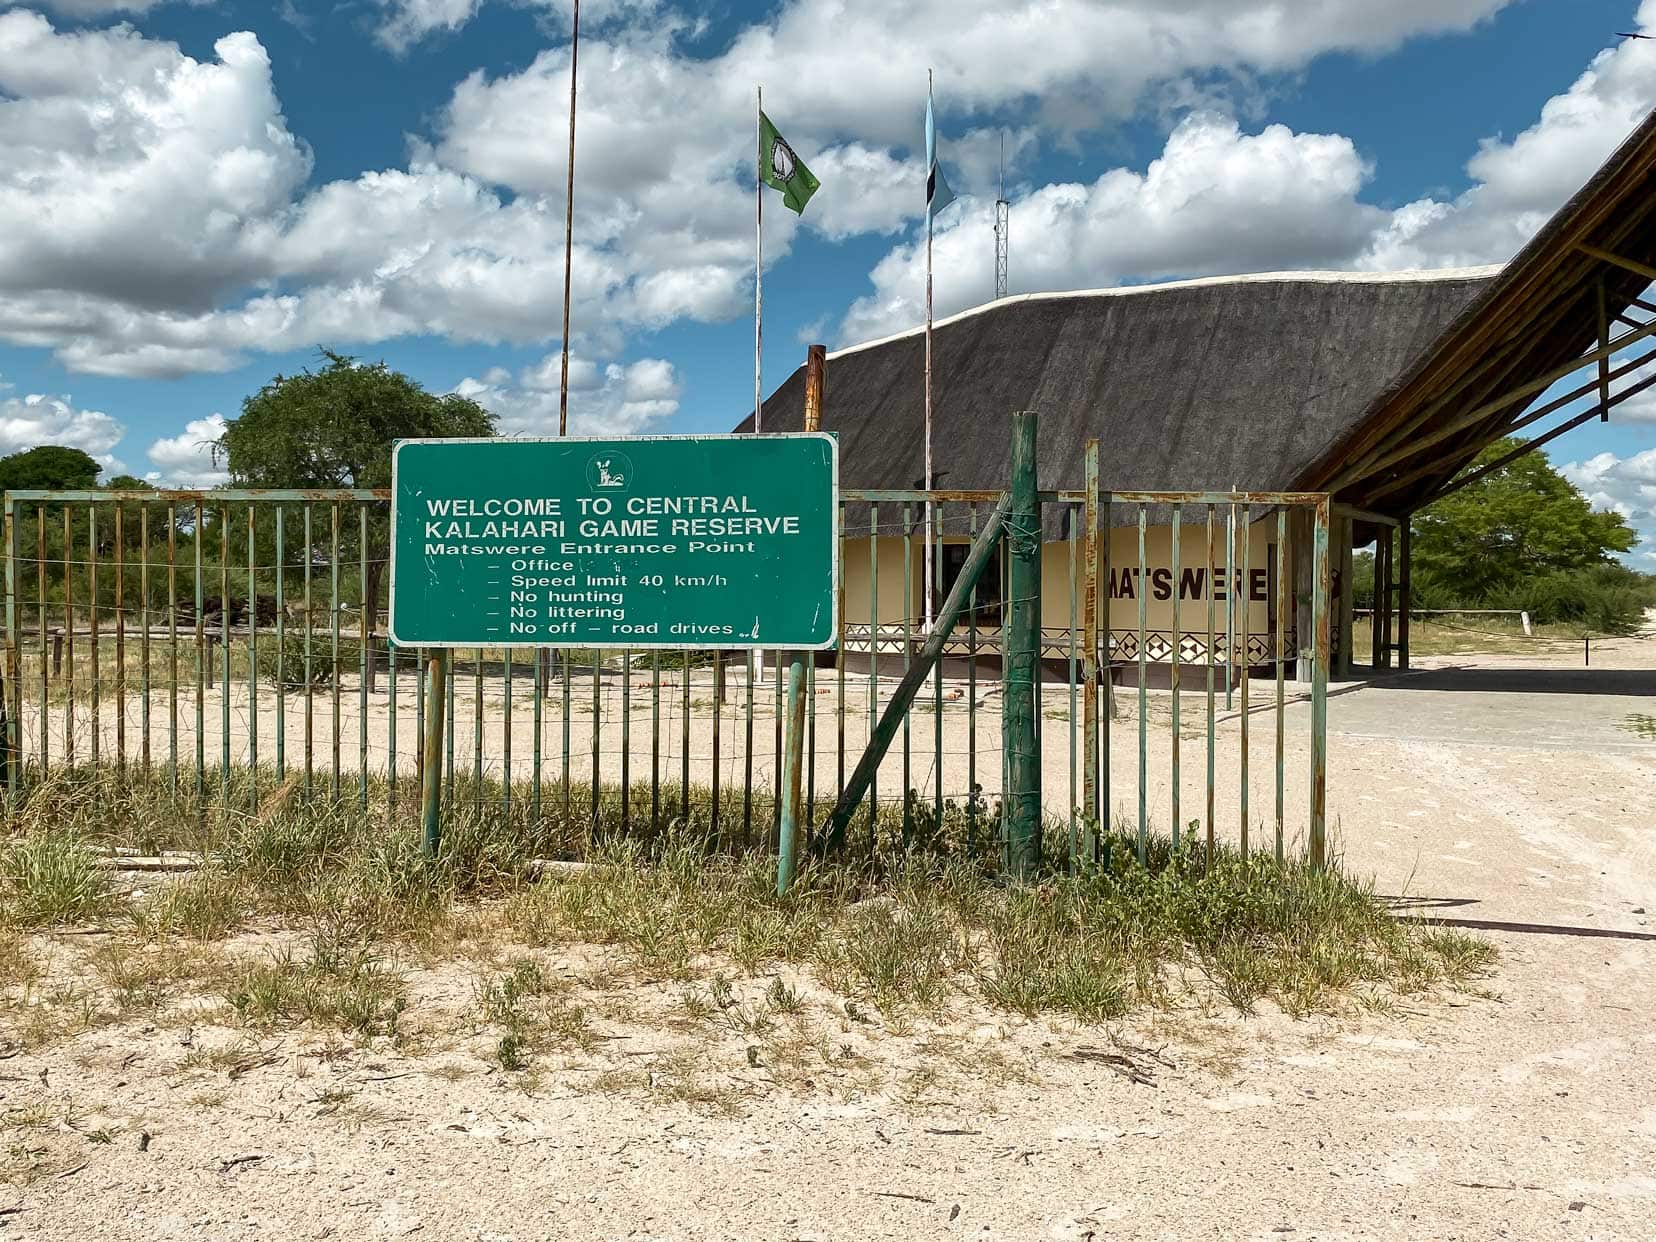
(1003,224)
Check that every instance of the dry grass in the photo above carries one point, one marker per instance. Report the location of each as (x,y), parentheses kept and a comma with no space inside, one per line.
(321,919)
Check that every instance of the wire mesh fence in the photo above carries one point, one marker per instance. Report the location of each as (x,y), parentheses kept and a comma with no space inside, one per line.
(224,644)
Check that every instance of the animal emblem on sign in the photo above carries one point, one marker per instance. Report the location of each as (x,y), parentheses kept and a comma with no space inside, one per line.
(609,471)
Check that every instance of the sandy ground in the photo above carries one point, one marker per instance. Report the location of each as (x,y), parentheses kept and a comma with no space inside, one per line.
(1512,794)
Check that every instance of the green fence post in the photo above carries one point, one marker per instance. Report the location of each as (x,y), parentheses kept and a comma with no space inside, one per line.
(1022,798)
(790,842)
(431,782)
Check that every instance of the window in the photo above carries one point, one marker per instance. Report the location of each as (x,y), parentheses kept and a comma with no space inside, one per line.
(988,587)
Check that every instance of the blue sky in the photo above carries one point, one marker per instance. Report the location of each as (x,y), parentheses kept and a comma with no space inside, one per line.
(194,196)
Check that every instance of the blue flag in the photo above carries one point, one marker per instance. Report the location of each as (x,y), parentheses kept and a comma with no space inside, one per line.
(938,193)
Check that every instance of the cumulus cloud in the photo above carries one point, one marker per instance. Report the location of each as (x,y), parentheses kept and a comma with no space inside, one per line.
(1626,485)
(186,460)
(29,421)
(612,399)
(1216,201)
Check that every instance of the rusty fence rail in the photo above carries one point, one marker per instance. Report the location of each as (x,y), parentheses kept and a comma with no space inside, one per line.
(194,638)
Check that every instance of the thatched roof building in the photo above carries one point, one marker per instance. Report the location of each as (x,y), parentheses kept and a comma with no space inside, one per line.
(1378,387)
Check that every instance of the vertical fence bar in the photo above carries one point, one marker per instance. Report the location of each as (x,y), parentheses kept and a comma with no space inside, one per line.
(778,691)
(92,622)
(936,536)
(281,647)
(747,751)
(1247,612)
(120,639)
(684,740)
(1212,658)
(224,645)
(477,729)
(597,706)
(333,642)
(1074,627)
(1281,641)
(506,741)
(201,657)
(1142,586)
(839,672)
(908,611)
(393,757)
(252,659)
(364,655)
(310,649)
(452,715)
(718,720)
(1173,674)
(69,638)
(1321,588)
(565,660)
(810,742)
(1089,643)
(790,833)
(626,741)
(1230,601)
(172,645)
(1105,709)
(541,655)
(873,666)
(655,740)
(45,643)
(144,630)
(971,702)
(14,663)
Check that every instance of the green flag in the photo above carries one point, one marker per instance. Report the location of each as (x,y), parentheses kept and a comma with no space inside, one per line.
(782,170)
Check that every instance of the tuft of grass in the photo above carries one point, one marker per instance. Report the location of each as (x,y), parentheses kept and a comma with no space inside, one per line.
(207,904)
(50,877)
(531,1014)
(344,985)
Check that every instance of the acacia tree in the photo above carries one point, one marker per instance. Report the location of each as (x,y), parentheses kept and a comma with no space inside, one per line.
(334,427)
(48,467)
(1512,526)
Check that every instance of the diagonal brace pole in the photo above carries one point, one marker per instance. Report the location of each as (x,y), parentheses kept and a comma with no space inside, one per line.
(977,561)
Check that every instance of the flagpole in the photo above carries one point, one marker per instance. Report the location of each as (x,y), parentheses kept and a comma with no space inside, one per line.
(756,664)
(758,257)
(927,594)
(569,225)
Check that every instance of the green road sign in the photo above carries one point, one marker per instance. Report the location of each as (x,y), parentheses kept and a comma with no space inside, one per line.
(658,541)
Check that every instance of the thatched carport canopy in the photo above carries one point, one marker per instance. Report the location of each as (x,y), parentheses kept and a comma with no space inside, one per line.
(1380,387)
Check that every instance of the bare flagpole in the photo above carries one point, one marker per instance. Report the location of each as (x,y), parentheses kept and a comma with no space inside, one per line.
(758,255)
(569,225)
(927,595)
(756,659)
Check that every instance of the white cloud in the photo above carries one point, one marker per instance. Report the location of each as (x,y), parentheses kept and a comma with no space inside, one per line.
(1217,200)
(1520,182)
(29,421)
(92,10)
(186,460)
(615,399)
(1625,485)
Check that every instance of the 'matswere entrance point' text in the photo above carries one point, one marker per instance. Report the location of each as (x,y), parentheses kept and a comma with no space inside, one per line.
(709,541)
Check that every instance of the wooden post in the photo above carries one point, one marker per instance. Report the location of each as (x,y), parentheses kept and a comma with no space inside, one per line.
(1345,657)
(790,830)
(1019,710)
(431,774)
(1405,599)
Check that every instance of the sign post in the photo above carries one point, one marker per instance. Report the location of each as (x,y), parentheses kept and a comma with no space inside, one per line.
(665,542)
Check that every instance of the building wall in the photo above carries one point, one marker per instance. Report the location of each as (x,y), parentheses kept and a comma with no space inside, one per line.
(1063,581)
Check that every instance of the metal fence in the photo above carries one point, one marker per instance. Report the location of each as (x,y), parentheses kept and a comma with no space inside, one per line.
(193,638)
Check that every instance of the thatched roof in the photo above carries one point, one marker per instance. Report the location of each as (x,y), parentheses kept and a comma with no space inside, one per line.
(1204,384)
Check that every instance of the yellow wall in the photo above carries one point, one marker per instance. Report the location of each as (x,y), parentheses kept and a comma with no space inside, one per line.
(1123,573)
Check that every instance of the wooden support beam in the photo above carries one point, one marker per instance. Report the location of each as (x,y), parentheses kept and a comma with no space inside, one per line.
(1631,265)
(1604,362)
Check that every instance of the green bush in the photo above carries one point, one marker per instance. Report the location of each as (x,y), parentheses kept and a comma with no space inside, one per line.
(282,663)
